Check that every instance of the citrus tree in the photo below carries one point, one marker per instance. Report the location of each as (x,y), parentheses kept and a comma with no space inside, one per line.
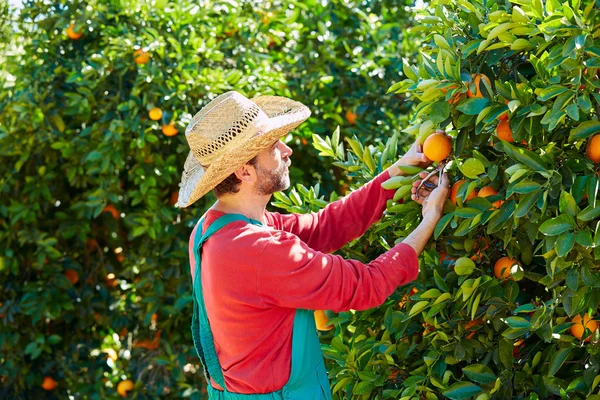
(96,295)
(507,298)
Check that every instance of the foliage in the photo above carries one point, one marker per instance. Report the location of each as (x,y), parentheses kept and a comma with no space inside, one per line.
(93,255)
(461,332)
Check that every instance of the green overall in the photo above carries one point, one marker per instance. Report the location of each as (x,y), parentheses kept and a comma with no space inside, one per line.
(308,377)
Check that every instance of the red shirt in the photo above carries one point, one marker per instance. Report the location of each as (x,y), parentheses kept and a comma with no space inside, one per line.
(254,278)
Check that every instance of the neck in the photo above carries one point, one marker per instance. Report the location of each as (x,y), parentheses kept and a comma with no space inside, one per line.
(252,207)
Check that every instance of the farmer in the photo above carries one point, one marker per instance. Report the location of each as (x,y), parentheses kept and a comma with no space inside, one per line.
(257,274)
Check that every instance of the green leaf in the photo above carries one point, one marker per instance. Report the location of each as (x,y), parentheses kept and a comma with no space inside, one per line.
(441,225)
(523,187)
(417,308)
(518,323)
(502,217)
(473,106)
(567,204)
(472,168)
(479,373)
(464,266)
(564,244)
(584,130)
(557,360)
(532,160)
(551,92)
(462,390)
(363,388)
(589,213)
(525,203)
(558,225)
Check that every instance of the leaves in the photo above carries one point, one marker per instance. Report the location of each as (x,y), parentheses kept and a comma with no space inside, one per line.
(462,390)
(585,130)
(473,106)
(472,168)
(479,373)
(558,225)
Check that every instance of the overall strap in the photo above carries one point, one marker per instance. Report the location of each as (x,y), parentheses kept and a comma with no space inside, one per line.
(201,332)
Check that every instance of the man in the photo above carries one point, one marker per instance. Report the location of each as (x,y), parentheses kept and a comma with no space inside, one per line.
(256,274)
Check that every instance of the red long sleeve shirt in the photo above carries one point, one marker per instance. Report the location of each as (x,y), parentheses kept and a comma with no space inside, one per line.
(254,278)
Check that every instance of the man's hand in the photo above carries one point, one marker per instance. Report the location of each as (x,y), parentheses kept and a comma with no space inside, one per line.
(414,156)
(432,199)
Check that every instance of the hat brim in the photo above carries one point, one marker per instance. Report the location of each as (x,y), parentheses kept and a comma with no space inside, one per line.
(284,115)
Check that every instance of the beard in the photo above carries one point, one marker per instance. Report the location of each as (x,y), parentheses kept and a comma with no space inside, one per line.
(271,181)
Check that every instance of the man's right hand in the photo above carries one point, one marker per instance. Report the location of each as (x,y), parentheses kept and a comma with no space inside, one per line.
(432,200)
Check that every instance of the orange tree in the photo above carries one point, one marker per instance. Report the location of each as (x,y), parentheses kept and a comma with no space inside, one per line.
(95,300)
(506,301)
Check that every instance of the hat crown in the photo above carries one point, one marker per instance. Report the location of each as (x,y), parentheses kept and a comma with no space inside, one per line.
(228,119)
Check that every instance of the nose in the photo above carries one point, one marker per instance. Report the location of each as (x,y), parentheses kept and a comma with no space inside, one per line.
(285,150)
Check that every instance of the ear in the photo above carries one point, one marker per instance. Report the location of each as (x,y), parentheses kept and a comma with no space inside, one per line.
(246,173)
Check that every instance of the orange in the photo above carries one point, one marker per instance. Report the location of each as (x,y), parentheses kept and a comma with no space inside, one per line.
(579,326)
(169,130)
(480,247)
(111,209)
(479,85)
(124,387)
(503,131)
(72,276)
(454,192)
(322,321)
(351,117)
(473,322)
(503,266)
(437,147)
(72,34)
(173,199)
(489,191)
(455,98)
(147,343)
(49,383)
(593,150)
(141,57)
(155,114)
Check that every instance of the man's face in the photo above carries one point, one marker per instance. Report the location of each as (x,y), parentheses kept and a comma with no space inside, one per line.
(272,169)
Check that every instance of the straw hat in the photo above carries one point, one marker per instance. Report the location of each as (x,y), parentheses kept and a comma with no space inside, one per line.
(227,133)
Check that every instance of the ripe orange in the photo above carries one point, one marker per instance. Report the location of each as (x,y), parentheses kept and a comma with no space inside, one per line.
(169,130)
(579,327)
(49,383)
(322,321)
(482,245)
(455,97)
(593,150)
(174,197)
(155,114)
(72,34)
(489,191)
(479,85)
(503,116)
(141,57)
(502,268)
(72,276)
(437,147)
(454,192)
(147,343)
(351,117)
(124,387)
(503,131)
(111,209)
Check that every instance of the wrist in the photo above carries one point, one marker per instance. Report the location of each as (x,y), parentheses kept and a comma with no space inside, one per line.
(394,170)
(432,216)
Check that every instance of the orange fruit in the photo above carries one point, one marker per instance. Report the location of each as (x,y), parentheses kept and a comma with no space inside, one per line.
(111,209)
(455,97)
(480,247)
(351,117)
(155,114)
(72,276)
(147,343)
(593,149)
(72,34)
(437,147)
(174,197)
(503,116)
(503,267)
(489,191)
(503,131)
(454,192)
(141,57)
(479,85)
(124,387)
(49,383)
(580,324)
(322,321)
(169,130)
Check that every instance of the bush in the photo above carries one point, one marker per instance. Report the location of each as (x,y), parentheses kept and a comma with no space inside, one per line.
(460,331)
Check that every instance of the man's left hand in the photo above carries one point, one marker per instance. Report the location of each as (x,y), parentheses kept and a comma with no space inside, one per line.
(414,156)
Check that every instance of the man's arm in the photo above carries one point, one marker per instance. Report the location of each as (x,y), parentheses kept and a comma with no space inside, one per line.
(349,217)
